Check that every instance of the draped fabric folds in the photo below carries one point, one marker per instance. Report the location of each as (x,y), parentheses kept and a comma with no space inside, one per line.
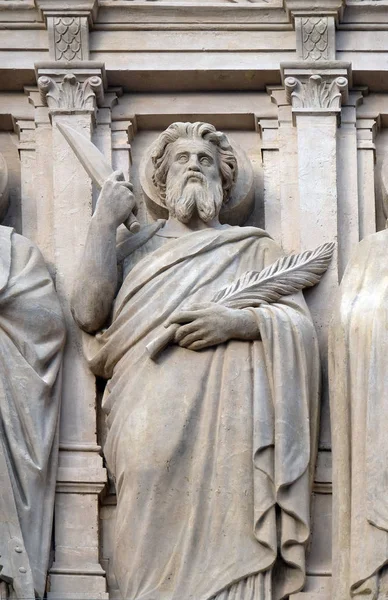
(359,409)
(31,341)
(255,587)
(212,450)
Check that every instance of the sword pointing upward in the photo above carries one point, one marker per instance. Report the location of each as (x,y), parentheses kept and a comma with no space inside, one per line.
(94,163)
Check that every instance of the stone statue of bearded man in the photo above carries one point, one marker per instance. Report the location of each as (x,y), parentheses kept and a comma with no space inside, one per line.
(185,189)
(211,444)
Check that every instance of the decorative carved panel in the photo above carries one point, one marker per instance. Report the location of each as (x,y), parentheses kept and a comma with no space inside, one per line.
(315,38)
(67,34)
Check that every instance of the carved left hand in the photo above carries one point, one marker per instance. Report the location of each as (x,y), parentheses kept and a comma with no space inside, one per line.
(210,324)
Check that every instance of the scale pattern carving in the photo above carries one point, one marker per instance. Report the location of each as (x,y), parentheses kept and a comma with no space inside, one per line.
(68,44)
(315,37)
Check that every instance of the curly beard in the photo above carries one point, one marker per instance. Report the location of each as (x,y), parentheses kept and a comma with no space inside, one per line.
(183,197)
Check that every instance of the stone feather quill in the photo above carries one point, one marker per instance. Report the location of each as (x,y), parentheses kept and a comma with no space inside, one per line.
(286,276)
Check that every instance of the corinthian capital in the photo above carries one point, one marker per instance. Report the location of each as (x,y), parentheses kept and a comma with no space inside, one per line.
(316,88)
(70,94)
(316,93)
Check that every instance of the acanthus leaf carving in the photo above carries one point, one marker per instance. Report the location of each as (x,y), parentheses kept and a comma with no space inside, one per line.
(316,92)
(70,94)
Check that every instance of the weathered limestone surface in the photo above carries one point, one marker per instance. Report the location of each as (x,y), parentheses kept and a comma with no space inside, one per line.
(358,385)
(200,523)
(301,87)
(32,338)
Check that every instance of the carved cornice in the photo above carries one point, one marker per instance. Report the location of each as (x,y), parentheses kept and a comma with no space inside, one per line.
(333,8)
(17,4)
(196,3)
(68,8)
(80,487)
(81,68)
(366,133)
(211,14)
(25,130)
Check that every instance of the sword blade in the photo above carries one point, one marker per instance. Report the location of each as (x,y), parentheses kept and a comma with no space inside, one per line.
(94,163)
(90,157)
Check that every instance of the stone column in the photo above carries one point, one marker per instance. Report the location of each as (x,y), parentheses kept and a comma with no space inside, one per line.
(70,88)
(316,87)
(269,130)
(69,94)
(281,208)
(347,185)
(366,155)
(315,94)
(28,168)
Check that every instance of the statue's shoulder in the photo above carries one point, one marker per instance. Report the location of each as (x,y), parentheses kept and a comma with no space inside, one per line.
(19,239)
(251,230)
(264,239)
(23,253)
(6,232)
(364,281)
(369,251)
(380,238)
(23,245)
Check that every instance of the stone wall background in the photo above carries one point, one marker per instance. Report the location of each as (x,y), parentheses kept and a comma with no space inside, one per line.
(317,168)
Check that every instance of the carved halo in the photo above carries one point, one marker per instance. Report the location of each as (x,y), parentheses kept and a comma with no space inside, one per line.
(234,212)
(3,187)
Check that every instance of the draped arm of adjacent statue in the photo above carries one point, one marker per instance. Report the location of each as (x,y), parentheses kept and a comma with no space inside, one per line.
(358,346)
(212,442)
(31,342)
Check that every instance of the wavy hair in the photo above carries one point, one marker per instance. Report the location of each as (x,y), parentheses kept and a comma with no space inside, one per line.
(198,130)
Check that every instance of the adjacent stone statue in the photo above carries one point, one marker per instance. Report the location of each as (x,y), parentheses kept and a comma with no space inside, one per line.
(212,442)
(31,341)
(359,410)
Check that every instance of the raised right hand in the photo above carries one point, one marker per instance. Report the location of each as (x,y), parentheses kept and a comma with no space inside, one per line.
(116,200)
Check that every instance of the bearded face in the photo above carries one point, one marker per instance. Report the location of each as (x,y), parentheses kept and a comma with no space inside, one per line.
(193,184)
(191,193)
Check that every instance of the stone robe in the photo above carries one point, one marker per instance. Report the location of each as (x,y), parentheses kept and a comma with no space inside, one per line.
(31,341)
(359,411)
(212,451)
